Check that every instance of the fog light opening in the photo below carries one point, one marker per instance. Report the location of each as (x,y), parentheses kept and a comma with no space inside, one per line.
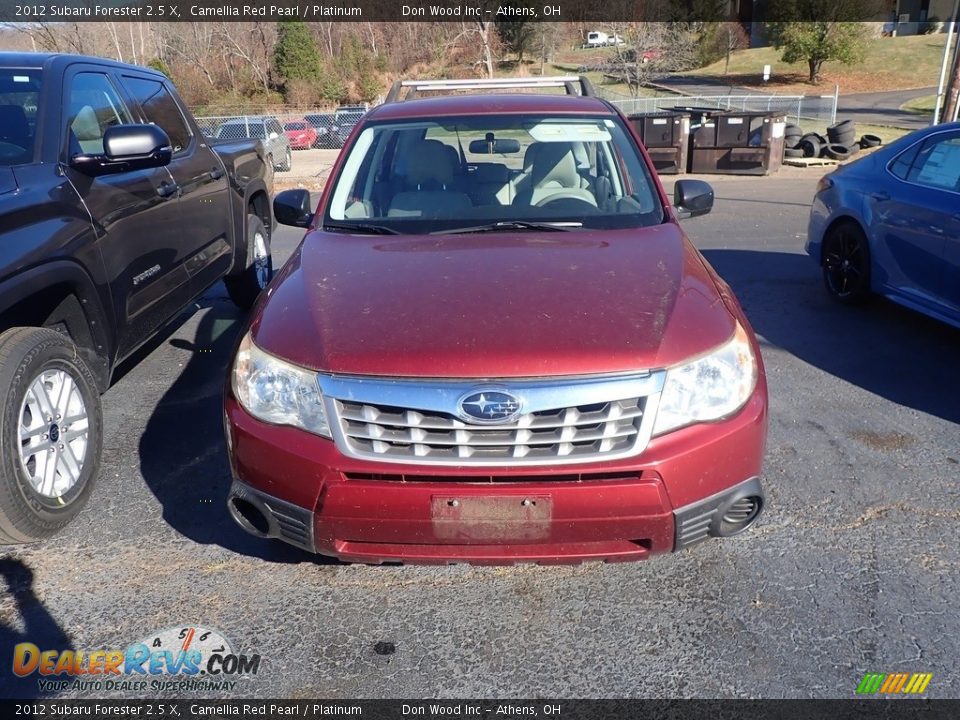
(249,517)
(740,515)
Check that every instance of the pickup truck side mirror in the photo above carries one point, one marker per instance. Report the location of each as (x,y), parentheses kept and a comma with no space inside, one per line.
(692,198)
(292,207)
(273,136)
(125,148)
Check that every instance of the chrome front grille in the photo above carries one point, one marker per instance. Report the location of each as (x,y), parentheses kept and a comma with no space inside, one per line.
(418,423)
(591,430)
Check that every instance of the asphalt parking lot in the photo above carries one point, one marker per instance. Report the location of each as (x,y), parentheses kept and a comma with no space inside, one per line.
(853,568)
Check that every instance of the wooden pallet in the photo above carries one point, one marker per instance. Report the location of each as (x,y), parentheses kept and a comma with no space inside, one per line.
(810,162)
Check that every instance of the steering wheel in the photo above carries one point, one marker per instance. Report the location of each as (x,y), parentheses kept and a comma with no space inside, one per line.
(571,200)
(9,151)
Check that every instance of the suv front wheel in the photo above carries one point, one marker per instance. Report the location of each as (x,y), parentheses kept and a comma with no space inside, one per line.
(50,433)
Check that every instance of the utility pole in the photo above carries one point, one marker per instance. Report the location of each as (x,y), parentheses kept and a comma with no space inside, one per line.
(952,95)
(952,98)
(938,105)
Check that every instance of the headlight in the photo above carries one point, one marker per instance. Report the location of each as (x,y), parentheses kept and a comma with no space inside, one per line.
(710,387)
(276,391)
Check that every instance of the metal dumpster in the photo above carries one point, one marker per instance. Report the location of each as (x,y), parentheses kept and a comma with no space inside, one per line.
(738,143)
(665,134)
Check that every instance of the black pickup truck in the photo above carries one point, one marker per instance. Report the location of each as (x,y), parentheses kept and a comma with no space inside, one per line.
(115,214)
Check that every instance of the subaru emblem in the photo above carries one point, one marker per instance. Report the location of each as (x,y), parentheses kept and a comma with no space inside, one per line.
(489,406)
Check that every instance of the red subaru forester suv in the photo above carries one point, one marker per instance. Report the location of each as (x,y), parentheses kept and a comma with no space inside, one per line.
(495,344)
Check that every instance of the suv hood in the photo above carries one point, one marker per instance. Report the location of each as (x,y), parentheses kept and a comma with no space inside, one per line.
(497,305)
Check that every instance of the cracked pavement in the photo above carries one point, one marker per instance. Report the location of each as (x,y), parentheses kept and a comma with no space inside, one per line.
(852,569)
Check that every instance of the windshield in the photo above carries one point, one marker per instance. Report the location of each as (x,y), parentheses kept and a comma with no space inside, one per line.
(19,97)
(295,126)
(430,176)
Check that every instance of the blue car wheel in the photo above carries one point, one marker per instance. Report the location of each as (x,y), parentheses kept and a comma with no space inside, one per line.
(846,263)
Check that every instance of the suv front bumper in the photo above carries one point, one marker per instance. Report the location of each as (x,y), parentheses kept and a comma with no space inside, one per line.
(685,486)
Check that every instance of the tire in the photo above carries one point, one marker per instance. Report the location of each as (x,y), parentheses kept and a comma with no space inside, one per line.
(287,162)
(791,142)
(792,129)
(837,151)
(244,287)
(846,264)
(793,153)
(841,126)
(844,138)
(810,147)
(852,148)
(869,141)
(49,393)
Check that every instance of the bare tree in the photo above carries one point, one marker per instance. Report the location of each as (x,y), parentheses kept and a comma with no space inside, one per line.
(731,36)
(651,49)
(548,36)
(485,30)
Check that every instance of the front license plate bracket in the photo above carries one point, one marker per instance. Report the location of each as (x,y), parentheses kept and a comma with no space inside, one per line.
(491,518)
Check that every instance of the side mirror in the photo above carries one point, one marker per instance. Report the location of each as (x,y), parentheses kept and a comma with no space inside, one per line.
(292,207)
(126,148)
(273,136)
(692,198)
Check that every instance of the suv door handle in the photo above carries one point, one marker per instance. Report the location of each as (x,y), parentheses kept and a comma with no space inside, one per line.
(167,188)
(216,173)
(880,196)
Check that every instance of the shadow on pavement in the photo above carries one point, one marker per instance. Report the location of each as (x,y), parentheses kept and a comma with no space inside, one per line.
(890,351)
(183,454)
(39,628)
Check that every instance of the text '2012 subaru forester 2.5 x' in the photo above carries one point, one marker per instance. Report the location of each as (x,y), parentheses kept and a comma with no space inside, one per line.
(495,344)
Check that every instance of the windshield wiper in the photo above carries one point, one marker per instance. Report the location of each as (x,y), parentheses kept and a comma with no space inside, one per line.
(363,228)
(507,225)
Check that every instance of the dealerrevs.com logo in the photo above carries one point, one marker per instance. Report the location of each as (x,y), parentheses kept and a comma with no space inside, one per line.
(175,659)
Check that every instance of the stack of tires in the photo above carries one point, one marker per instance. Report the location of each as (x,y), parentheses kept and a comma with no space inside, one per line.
(791,139)
(842,143)
(839,144)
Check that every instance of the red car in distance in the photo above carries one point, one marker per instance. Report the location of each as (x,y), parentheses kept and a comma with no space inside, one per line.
(496,344)
(301,134)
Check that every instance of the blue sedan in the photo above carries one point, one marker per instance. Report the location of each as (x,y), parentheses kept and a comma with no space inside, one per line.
(889,223)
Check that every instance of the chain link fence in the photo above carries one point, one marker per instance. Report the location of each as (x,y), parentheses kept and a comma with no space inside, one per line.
(305,128)
(819,108)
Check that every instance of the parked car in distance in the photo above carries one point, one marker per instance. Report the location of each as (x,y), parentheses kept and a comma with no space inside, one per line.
(268,130)
(323,125)
(650,55)
(115,215)
(889,223)
(300,134)
(345,119)
(602,39)
(494,344)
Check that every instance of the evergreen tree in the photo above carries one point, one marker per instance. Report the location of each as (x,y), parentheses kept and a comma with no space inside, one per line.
(296,55)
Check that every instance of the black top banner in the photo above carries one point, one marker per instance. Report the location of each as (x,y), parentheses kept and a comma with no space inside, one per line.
(609,11)
(899,709)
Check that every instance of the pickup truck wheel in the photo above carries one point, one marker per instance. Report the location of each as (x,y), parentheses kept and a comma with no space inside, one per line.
(50,433)
(245,287)
(287,162)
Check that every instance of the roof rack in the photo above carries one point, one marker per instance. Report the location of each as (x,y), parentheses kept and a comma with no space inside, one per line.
(569,82)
